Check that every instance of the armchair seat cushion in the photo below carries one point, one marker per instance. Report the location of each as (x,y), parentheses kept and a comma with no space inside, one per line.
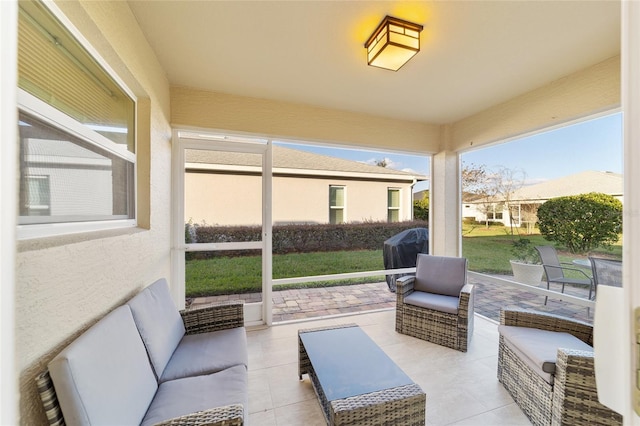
(192,394)
(206,353)
(539,348)
(437,302)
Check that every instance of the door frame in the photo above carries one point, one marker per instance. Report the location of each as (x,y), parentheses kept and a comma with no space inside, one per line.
(257,313)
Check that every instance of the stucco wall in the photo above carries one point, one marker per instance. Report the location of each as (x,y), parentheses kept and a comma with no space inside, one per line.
(64,285)
(202,109)
(583,93)
(236,199)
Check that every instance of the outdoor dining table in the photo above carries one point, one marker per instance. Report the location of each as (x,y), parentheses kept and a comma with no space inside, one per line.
(585,263)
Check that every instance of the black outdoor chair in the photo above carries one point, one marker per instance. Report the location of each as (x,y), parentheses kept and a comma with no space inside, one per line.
(606,272)
(554,271)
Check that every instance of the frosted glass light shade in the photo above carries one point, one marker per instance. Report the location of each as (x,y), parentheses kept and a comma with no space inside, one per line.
(393,43)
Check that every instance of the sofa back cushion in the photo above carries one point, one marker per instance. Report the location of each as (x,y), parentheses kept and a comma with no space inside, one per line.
(104,376)
(159,323)
(440,274)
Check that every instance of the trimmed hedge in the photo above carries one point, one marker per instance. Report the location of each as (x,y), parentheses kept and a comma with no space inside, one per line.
(308,238)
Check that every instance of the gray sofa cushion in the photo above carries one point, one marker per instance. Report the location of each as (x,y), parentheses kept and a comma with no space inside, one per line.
(207,353)
(159,323)
(440,274)
(90,374)
(185,396)
(433,301)
(540,346)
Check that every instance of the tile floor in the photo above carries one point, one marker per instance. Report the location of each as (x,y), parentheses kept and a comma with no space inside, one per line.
(461,388)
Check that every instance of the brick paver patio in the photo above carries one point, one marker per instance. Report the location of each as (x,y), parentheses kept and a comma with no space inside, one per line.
(300,304)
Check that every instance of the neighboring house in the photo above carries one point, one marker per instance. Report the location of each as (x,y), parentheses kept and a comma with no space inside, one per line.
(307,188)
(526,200)
(419,195)
(57,173)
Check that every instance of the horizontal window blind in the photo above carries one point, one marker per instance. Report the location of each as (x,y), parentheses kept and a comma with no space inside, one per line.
(53,67)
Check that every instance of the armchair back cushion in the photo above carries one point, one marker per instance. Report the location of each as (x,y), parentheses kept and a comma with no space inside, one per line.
(440,275)
(104,376)
(159,323)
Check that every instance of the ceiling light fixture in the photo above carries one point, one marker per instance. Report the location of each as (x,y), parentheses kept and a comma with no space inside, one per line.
(393,43)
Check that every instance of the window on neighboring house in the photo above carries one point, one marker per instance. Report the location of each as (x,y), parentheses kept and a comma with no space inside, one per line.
(515,214)
(336,204)
(393,205)
(37,195)
(495,212)
(77,133)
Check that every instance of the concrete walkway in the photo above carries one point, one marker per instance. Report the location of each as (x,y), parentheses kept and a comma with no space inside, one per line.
(301,304)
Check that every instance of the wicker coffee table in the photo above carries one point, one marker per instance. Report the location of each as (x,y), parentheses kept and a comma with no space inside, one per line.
(356,382)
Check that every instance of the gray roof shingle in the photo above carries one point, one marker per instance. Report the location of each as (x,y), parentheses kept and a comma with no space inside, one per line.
(287,158)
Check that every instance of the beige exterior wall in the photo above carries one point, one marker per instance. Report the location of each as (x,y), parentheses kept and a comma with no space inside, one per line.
(586,92)
(236,199)
(202,109)
(64,285)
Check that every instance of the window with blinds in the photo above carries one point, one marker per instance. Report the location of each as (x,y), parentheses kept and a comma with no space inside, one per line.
(55,68)
(76,133)
(336,204)
(393,205)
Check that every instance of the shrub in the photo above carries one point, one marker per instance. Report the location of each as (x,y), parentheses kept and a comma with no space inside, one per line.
(421,208)
(309,238)
(524,251)
(581,222)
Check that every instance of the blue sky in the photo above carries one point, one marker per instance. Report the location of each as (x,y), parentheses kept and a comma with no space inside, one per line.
(589,145)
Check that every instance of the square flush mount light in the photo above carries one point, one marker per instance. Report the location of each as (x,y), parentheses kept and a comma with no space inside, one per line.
(393,43)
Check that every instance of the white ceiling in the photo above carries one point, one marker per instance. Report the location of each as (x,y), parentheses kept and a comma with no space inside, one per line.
(474,54)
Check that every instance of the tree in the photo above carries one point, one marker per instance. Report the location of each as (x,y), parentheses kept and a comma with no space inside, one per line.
(507,182)
(491,188)
(581,222)
(421,207)
(382,163)
(473,178)
(476,187)
(529,215)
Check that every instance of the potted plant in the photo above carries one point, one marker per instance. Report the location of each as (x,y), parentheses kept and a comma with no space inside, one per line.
(525,264)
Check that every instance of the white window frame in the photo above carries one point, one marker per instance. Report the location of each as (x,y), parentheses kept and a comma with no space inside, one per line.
(38,178)
(344,204)
(399,208)
(496,209)
(56,118)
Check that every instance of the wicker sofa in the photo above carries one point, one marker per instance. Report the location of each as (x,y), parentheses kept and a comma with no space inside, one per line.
(146,363)
(546,363)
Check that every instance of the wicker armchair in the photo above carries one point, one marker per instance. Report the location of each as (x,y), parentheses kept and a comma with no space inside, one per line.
(436,304)
(216,317)
(570,396)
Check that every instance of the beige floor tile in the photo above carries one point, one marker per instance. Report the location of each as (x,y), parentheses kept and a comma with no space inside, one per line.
(306,413)
(259,391)
(461,388)
(286,388)
(263,418)
(509,415)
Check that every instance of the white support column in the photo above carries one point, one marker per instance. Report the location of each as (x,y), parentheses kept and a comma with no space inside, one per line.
(9,393)
(631,219)
(444,205)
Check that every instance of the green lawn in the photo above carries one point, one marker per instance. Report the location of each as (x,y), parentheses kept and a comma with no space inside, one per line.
(488,250)
(224,275)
